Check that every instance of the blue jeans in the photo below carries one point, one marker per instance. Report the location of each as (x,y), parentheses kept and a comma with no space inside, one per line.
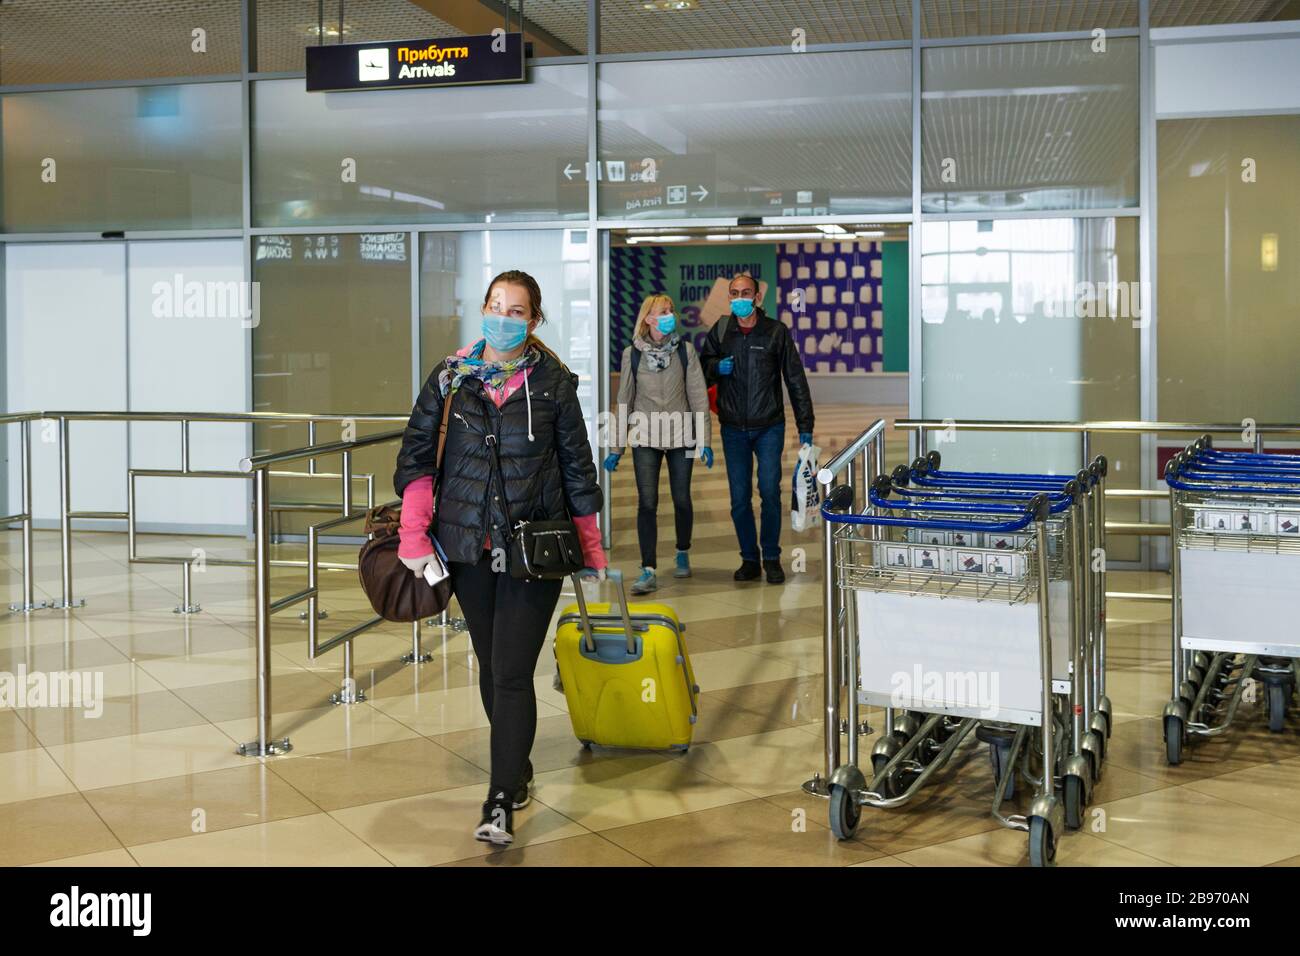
(742,446)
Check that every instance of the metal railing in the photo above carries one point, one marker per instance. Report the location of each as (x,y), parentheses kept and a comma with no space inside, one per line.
(258,471)
(59,424)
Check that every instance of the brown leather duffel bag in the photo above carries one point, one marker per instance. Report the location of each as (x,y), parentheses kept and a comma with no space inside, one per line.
(394,592)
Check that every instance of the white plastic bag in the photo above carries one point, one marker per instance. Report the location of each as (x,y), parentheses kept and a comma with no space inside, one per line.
(805,500)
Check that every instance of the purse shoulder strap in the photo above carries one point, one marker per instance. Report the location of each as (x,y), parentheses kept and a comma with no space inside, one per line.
(442,432)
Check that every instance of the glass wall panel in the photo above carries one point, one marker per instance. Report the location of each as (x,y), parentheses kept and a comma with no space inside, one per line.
(1032,320)
(285,28)
(637,26)
(1228,277)
(456,267)
(149,157)
(806,134)
(66,348)
(72,41)
(961,18)
(1179,13)
(1024,126)
(474,153)
(334,337)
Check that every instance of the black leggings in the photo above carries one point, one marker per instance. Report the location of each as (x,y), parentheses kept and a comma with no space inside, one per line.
(508,621)
(646,461)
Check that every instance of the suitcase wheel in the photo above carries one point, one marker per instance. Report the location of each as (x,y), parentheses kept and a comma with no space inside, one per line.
(586,744)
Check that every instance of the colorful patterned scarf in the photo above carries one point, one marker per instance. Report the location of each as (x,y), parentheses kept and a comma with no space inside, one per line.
(495,374)
(658,355)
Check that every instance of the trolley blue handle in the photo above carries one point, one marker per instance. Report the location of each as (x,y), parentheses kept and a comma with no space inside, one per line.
(839,517)
(1039,508)
(1217,455)
(1196,469)
(1199,484)
(1029,484)
(1005,496)
(1057,504)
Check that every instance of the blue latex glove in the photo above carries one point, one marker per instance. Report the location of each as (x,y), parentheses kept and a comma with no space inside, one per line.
(591,574)
(726,365)
(611,460)
(805,438)
(706,453)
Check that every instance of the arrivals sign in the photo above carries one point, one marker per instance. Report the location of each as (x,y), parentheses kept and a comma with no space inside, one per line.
(460,61)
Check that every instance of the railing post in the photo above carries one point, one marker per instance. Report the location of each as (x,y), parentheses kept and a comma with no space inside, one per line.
(65,516)
(263,746)
(25,468)
(418,655)
(348,693)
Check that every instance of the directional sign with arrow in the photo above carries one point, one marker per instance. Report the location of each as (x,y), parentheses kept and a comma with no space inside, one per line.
(638,184)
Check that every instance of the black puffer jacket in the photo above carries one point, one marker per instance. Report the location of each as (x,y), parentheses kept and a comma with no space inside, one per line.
(750,397)
(551,476)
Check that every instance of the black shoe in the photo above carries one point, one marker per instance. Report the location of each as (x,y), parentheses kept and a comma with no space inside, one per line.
(775,573)
(497,824)
(524,795)
(748,571)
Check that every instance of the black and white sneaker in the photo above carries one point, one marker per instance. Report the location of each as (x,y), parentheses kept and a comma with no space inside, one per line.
(524,795)
(497,825)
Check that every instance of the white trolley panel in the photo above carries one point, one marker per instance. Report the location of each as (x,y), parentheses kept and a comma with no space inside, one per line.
(1239,601)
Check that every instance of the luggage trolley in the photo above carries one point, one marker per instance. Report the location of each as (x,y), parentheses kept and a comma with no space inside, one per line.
(1235,564)
(1090,621)
(926,614)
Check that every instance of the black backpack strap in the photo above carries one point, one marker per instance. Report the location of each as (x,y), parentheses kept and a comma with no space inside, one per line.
(636,360)
(681,357)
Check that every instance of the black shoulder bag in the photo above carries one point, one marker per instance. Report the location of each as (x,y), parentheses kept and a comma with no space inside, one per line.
(539,548)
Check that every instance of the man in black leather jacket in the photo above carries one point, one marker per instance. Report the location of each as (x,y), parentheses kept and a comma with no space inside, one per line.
(747,355)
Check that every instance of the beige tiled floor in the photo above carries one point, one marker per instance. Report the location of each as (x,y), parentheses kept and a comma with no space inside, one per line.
(397,780)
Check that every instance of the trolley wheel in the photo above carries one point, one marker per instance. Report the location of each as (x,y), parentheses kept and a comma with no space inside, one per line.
(1106,715)
(1173,740)
(1277,701)
(1042,844)
(878,762)
(927,750)
(845,812)
(1073,788)
(998,758)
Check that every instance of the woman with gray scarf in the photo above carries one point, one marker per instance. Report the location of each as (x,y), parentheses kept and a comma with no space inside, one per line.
(663,399)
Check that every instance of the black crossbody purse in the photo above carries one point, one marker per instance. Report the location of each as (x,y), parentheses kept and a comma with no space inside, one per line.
(539,548)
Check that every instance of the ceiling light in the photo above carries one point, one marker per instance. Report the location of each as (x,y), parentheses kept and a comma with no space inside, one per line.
(668,5)
(870,233)
(831,229)
(782,236)
(331,30)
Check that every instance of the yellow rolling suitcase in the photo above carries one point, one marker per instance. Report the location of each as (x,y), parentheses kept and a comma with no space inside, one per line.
(626,674)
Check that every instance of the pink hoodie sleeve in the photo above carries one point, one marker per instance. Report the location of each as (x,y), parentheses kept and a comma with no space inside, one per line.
(417,515)
(589,535)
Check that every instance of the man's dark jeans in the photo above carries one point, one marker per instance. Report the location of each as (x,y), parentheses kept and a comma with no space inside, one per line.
(742,446)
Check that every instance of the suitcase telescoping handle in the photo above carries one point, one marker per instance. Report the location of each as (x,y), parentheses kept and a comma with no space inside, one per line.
(588,638)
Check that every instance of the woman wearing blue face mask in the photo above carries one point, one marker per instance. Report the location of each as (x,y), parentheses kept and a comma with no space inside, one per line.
(516,449)
(663,399)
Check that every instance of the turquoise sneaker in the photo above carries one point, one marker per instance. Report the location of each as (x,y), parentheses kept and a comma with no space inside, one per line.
(646,582)
(683,569)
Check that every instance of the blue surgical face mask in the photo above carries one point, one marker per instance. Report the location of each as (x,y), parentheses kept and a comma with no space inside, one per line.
(666,323)
(504,333)
(741,308)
